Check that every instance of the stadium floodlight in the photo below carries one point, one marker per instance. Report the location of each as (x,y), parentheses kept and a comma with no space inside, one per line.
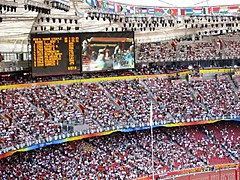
(37,6)
(61,4)
(8,6)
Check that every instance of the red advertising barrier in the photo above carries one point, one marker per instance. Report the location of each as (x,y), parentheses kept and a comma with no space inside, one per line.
(221,172)
(230,174)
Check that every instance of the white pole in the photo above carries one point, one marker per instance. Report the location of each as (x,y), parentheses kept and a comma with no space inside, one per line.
(151,125)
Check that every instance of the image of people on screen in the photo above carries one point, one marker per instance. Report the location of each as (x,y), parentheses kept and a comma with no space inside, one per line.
(106,53)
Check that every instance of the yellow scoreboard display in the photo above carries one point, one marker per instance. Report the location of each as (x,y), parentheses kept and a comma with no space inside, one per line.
(73,53)
(54,54)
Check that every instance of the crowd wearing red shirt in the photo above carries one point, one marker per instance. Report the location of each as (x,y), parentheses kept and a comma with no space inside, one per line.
(222,47)
(128,155)
(40,113)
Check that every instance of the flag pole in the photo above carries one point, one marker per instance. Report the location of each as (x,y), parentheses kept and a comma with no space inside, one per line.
(151,125)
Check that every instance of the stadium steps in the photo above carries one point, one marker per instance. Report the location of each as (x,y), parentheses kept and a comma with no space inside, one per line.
(79,109)
(196,95)
(216,139)
(200,135)
(160,163)
(117,103)
(149,92)
(176,141)
(231,81)
(155,99)
(39,111)
(124,101)
(65,94)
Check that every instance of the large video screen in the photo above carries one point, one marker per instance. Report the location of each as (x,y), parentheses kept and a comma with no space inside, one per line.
(56,54)
(107,51)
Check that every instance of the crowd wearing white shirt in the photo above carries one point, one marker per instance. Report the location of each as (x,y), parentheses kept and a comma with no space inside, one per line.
(31,115)
(128,155)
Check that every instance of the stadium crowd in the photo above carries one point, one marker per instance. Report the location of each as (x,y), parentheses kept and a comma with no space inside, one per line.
(221,47)
(128,155)
(21,122)
(35,114)
(149,58)
(177,100)
(201,145)
(231,46)
(219,97)
(140,69)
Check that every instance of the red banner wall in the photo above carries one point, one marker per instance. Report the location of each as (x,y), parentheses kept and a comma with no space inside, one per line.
(232,174)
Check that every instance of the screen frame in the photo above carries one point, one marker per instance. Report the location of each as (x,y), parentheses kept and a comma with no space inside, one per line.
(79,70)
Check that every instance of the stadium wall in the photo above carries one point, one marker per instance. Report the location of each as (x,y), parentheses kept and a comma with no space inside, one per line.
(92,80)
(205,71)
(231,173)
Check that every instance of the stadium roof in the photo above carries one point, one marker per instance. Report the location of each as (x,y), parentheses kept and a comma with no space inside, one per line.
(16,26)
(178,3)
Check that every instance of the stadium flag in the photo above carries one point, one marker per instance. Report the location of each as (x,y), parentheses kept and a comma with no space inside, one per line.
(174,12)
(220,43)
(117,8)
(99,3)
(197,11)
(179,12)
(116,115)
(151,11)
(137,10)
(166,12)
(111,6)
(91,2)
(232,9)
(183,12)
(130,9)
(118,102)
(158,11)
(45,112)
(223,10)
(143,11)
(174,45)
(189,11)
(215,10)
(8,117)
(157,98)
(88,2)
(105,5)
(81,107)
(207,10)
(123,8)
(1,140)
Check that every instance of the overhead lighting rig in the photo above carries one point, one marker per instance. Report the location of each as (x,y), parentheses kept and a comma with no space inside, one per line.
(138,22)
(8,6)
(61,4)
(37,7)
(57,20)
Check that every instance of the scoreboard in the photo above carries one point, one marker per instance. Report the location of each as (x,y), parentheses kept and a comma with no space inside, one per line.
(73,53)
(55,54)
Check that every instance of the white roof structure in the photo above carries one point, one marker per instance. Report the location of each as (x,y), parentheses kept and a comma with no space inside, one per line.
(16,26)
(178,3)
